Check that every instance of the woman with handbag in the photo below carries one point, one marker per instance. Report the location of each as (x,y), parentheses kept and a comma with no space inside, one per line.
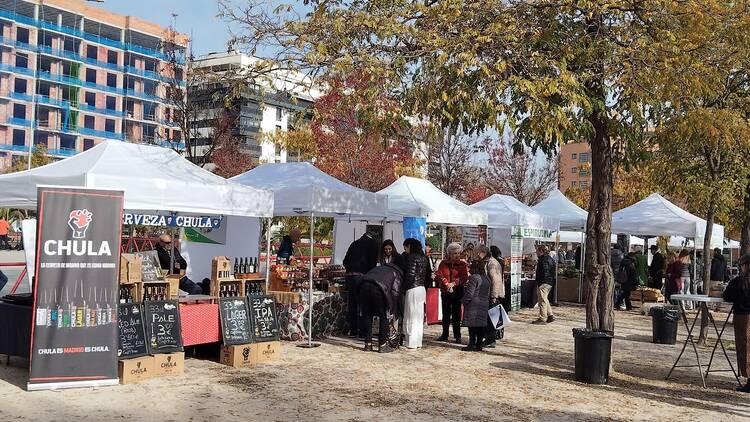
(497,293)
(476,299)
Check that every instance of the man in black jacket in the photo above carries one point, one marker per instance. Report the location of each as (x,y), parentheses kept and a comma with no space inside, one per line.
(545,279)
(656,270)
(627,277)
(380,295)
(168,255)
(718,266)
(361,257)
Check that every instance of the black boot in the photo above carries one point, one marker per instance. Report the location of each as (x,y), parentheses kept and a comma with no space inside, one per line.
(745,388)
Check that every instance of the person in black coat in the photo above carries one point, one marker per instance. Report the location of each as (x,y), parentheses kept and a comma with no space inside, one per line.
(380,295)
(286,249)
(627,276)
(657,268)
(169,255)
(546,270)
(738,293)
(718,266)
(361,257)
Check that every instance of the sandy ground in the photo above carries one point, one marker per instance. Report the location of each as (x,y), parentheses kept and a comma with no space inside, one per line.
(529,376)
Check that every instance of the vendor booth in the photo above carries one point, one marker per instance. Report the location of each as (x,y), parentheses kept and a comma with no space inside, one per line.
(514,227)
(158,185)
(410,197)
(301,189)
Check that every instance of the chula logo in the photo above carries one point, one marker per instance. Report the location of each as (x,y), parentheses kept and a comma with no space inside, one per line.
(169,363)
(137,370)
(78,221)
(268,351)
(245,353)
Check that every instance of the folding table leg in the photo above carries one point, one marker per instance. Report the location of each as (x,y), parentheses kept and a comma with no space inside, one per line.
(689,339)
(719,341)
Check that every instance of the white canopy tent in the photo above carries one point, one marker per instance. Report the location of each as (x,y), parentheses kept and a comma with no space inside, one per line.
(572,217)
(566,236)
(409,197)
(656,216)
(303,189)
(153,178)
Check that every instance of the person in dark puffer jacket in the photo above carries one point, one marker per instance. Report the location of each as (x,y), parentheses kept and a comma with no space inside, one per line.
(380,295)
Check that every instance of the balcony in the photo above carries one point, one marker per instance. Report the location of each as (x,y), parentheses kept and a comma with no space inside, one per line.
(62,152)
(67,30)
(105,111)
(18,122)
(101,133)
(14,69)
(21,96)
(14,148)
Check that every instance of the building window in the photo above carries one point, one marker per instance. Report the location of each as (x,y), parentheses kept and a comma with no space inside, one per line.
(45,65)
(130,82)
(19,137)
(19,111)
(88,144)
(278,128)
(109,125)
(19,85)
(67,142)
(111,103)
(575,170)
(70,44)
(279,113)
(111,80)
(92,52)
(22,60)
(88,122)
(583,184)
(90,99)
(42,117)
(44,38)
(22,34)
(573,184)
(43,89)
(91,75)
(574,156)
(112,57)
(277,149)
(583,157)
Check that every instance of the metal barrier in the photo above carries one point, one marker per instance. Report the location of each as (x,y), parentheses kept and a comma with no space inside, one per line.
(20,276)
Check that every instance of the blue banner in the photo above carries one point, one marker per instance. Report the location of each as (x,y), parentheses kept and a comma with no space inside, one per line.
(197,222)
(415,227)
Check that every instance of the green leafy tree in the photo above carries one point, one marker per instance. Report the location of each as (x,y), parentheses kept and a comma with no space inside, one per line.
(38,158)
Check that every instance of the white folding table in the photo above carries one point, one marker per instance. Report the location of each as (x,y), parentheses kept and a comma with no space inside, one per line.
(703,302)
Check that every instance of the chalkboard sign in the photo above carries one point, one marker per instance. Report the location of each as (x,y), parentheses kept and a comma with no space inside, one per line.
(264,322)
(132,335)
(150,267)
(163,326)
(235,320)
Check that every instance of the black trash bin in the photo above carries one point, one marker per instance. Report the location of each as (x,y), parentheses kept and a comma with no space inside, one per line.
(593,351)
(664,324)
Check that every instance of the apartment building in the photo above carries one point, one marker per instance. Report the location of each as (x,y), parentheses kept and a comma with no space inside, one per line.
(575,166)
(73,75)
(272,104)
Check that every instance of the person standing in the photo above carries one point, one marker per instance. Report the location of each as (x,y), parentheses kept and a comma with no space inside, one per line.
(361,257)
(656,270)
(628,279)
(494,271)
(286,249)
(685,276)
(578,257)
(451,275)
(380,295)
(738,293)
(545,279)
(389,254)
(476,298)
(416,275)
(4,230)
(718,267)
(641,267)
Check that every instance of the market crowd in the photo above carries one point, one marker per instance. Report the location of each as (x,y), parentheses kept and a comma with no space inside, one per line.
(391,285)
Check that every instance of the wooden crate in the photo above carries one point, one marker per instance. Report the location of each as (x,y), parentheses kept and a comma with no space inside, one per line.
(236,285)
(135,290)
(160,288)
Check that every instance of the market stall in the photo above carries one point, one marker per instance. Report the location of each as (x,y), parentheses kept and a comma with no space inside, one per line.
(159,185)
(410,197)
(301,189)
(514,227)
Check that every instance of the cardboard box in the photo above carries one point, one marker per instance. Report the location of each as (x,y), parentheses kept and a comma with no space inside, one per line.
(174,285)
(130,268)
(237,356)
(267,352)
(221,268)
(169,364)
(136,369)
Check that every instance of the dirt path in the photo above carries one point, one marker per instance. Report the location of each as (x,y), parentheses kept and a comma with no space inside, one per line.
(529,376)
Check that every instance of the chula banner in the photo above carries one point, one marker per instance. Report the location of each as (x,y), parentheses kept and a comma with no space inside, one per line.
(74,333)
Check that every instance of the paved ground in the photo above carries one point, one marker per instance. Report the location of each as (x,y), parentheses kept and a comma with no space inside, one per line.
(529,376)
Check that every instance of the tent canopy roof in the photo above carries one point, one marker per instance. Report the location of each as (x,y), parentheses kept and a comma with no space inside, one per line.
(572,217)
(413,197)
(301,188)
(504,211)
(656,216)
(152,177)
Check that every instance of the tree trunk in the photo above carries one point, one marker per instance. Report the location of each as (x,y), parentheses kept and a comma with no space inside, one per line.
(707,265)
(745,235)
(598,277)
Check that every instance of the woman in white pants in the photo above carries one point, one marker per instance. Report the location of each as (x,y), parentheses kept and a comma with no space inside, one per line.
(684,258)
(416,273)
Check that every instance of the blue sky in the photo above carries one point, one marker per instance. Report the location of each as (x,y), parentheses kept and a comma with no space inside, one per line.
(196,18)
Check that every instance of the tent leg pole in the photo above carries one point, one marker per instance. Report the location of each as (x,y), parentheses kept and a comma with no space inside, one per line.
(310,343)
(443,233)
(269,221)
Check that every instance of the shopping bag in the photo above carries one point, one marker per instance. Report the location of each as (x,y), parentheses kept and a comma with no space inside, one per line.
(506,318)
(496,315)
